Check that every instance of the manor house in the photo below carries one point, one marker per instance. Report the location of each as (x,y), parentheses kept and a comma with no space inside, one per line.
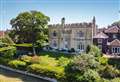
(75,36)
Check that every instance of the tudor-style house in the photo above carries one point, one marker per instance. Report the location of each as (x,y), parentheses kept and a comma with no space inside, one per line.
(108,40)
(75,36)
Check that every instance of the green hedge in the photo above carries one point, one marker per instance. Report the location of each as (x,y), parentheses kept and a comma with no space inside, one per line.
(6,48)
(51,71)
(17,64)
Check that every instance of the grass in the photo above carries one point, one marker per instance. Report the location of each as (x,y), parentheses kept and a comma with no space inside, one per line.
(55,54)
(24,45)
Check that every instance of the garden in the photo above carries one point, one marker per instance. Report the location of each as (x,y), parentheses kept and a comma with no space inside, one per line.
(24,52)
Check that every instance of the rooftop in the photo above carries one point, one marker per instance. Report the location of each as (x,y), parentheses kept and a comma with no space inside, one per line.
(100,35)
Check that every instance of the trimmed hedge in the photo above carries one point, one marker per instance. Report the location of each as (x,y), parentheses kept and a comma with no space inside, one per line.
(51,71)
(6,48)
(17,64)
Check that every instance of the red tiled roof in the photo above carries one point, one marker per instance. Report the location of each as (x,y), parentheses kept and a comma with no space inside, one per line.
(100,35)
(113,29)
(2,33)
(115,42)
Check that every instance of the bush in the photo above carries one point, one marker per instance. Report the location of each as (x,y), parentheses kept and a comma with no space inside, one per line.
(4,60)
(51,71)
(83,62)
(109,72)
(115,62)
(62,61)
(8,52)
(89,76)
(44,60)
(17,64)
(95,51)
(103,60)
(26,58)
(115,80)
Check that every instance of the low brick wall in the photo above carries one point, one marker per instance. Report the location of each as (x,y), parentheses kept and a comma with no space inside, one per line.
(28,74)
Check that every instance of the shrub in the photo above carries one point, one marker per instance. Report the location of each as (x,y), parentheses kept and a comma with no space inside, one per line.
(115,62)
(26,58)
(83,62)
(62,61)
(89,76)
(8,52)
(115,80)
(95,51)
(109,72)
(51,71)
(45,60)
(103,60)
(17,64)
(4,60)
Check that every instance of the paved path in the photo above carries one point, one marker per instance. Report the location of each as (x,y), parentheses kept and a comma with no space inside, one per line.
(24,78)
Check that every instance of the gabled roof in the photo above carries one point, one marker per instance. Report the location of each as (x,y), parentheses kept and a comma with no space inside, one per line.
(100,35)
(113,29)
(115,42)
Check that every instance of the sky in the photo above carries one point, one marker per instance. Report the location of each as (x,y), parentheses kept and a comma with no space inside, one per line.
(74,11)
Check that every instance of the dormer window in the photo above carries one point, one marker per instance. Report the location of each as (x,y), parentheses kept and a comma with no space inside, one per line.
(54,34)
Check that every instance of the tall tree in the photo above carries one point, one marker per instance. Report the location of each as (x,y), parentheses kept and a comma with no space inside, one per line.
(30,27)
(117,23)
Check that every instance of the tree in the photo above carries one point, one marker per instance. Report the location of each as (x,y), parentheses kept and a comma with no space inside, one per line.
(30,27)
(117,23)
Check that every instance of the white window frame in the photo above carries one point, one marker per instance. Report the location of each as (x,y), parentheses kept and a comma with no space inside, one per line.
(114,49)
(80,46)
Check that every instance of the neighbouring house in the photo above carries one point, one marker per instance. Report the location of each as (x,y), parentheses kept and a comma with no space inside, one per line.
(108,40)
(75,36)
(2,34)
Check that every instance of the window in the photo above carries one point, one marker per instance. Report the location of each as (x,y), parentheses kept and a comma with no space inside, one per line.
(116,50)
(54,44)
(80,46)
(100,47)
(114,36)
(80,34)
(54,33)
(66,46)
(99,40)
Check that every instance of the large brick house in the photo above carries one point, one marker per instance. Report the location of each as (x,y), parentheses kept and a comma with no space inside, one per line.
(108,40)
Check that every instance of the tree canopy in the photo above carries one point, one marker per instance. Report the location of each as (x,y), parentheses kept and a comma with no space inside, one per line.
(30,27)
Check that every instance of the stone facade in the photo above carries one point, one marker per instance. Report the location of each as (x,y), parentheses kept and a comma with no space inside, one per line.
(76,35)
